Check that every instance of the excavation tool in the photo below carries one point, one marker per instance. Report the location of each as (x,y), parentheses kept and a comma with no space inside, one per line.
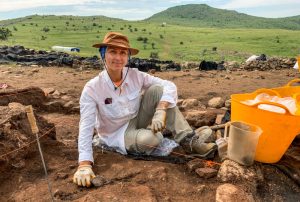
(35,131)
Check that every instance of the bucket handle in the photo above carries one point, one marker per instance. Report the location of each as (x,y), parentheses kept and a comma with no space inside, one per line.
(296,96)
(287,111)
(266,90)
(292,81)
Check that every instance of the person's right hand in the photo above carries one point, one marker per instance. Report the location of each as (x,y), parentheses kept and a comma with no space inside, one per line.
(84,175)
(158,120)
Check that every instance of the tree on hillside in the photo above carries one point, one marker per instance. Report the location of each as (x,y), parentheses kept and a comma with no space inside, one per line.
(145,40)
(4,33)
(153,45)
(154,55)
(46,29)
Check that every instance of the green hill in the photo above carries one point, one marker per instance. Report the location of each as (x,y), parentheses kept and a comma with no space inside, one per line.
(172,42)
(201,15)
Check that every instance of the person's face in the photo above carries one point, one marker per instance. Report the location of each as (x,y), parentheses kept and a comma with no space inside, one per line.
(116,58)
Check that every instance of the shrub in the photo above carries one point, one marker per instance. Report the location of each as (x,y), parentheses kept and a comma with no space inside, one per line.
(154,55)
(214,48)
(153,45)
(181,42)
(144,30)
(121,28)
(46,29)
(43,38)
(15,29)
(140,38)
(4,33)
(94,24)
(109,28)
(161,36)
(145,40)
(135,29)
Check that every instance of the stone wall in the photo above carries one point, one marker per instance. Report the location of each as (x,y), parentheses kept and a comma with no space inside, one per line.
(271,63)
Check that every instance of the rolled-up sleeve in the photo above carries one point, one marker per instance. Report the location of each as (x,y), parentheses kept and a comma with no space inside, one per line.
(88,110)
(169,88)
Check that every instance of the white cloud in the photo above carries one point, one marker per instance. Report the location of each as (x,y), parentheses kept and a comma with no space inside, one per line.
(277,13)
(13,5)
(235,4)
(129,14)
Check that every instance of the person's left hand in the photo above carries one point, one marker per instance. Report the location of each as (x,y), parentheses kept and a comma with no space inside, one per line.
(158,120)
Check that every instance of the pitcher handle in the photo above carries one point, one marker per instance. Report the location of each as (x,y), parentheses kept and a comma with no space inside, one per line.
(226,130)
(287,111)
(266,90)
(292,81)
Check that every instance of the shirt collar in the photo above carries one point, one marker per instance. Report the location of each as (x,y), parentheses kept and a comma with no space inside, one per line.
(106,77)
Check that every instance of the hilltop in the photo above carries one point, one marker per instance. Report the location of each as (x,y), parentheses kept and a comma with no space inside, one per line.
(202,15)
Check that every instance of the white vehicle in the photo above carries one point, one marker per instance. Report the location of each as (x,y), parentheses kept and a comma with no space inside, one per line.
(65,49)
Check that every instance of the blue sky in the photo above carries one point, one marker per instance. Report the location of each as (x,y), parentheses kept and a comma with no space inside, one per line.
(140,9)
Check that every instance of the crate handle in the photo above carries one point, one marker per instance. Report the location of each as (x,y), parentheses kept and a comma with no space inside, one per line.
(287,111)
(266,90)
(292,81)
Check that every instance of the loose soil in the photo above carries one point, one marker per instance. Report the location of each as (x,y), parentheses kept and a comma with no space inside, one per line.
(132,180)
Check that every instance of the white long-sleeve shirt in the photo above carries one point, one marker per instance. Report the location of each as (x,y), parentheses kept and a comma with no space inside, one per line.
(111,120)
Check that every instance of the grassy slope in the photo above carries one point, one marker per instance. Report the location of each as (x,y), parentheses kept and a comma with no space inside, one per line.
(201,15)
(232,44)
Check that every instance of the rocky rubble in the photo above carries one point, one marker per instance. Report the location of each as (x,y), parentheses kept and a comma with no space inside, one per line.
(49,100)
(28,57)
(271,63)
(198,114)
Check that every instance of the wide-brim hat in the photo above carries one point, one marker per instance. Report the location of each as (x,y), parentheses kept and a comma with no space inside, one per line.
(116,39)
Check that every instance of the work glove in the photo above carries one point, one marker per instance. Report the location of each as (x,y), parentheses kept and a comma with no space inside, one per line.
(158,120)
(84,175)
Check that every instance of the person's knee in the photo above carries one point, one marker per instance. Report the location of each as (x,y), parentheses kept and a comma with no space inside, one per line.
(155,90)
(146,141)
